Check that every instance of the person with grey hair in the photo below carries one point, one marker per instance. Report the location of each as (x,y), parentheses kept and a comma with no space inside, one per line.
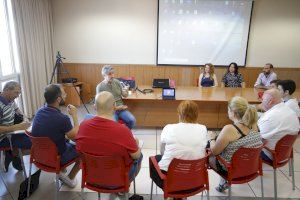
(11,119)
(112,85)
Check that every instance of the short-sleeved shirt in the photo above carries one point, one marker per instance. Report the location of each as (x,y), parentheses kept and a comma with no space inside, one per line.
(277,122)
(114,87)
(233,80)
(104,137)
(185,141)
(294,105)
(264,80)
(7,111)
(51,122)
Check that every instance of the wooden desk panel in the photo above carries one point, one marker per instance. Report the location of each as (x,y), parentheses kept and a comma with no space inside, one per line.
(151,111)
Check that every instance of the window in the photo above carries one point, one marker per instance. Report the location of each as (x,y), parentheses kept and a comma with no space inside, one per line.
(9,58)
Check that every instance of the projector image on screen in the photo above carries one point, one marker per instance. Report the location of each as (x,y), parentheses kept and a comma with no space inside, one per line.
(195,32)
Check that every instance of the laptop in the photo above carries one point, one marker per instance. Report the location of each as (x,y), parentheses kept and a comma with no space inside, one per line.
(161,83)
(168,93)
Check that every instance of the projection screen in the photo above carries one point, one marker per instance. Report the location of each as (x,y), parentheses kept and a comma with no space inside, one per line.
(195,32)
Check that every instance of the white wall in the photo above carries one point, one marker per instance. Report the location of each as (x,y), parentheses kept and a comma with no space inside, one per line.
(124,31)
(106,31)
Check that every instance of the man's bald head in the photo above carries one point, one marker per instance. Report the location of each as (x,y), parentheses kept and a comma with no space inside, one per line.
(271,98)
(104,103)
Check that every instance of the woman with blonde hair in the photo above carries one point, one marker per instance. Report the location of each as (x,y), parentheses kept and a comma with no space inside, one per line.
(185,140)
(243,132)
(208,78)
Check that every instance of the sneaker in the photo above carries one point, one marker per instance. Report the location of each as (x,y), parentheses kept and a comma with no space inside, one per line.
(66,180)
(222,188)
(8,159)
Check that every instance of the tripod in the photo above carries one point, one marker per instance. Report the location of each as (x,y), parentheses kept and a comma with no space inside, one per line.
(59,65)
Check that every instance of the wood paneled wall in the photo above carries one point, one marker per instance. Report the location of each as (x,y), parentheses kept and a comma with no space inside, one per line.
(144,74)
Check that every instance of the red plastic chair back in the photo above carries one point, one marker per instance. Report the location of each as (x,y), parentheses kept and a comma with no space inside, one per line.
(184,175)
(44,153)
(284,148)
(104,173)
(246,162)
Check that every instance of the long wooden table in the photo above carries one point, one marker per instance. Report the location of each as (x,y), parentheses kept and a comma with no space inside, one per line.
(151,111)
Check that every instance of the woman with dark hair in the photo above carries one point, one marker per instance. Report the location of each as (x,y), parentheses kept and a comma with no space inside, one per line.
(233,78)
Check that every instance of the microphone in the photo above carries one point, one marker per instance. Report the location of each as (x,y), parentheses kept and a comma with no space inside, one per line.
(141,91)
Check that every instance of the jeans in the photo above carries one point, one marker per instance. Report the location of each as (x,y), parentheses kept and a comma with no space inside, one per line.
(20,140)
(125,116)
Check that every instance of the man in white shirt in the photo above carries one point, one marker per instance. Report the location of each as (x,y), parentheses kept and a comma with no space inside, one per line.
(264,79)
(286,89)
(278,120)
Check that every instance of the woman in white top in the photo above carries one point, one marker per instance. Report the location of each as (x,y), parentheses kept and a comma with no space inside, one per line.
(208,78)
(286,89)
(185,140)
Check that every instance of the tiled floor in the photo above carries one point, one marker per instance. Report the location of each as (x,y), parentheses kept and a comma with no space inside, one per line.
(9,182)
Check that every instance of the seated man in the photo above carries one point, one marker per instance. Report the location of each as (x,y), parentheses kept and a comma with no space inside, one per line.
(286,89)
(103,130)
(278,120)
(50,122)
(11,119)
(112,85)
(264,79)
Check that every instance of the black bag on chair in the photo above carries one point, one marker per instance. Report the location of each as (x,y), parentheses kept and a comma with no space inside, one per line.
(34,183)
(18,118)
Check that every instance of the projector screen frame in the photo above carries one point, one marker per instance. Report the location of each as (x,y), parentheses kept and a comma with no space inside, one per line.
(157,35)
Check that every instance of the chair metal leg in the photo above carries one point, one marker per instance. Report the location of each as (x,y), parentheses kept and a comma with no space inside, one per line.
(207,194)
(22,162)
(99,196)
(151,190)
(293,172)
(126,196)
(82,193)
(134,190)
(229,192)
(2,161)
(202,195)
(262,187)
(275,185)
(290,168)
(29,180)
(57,186)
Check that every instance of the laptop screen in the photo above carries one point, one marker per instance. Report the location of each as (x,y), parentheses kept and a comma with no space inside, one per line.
(168,93)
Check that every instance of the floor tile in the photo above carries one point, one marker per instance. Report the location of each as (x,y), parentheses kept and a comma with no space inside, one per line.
(297,179)
(143,182)
(6,197)
(283,186)
(146,154)
(3,189)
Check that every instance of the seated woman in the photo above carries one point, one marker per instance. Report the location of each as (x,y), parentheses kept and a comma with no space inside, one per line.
(243,132)
(233,78)
(208,77)
(184,140)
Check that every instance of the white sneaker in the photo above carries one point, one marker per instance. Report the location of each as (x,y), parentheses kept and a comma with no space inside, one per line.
(66,180)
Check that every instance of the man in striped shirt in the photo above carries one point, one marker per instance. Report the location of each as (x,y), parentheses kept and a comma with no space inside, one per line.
(8,112)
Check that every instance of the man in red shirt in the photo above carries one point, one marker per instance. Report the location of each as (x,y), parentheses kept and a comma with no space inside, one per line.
(101,135)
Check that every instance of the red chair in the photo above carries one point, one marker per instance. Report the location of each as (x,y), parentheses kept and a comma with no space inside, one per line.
(184,178)
(104,174)
(45,156)
(282,155)
(245,166)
